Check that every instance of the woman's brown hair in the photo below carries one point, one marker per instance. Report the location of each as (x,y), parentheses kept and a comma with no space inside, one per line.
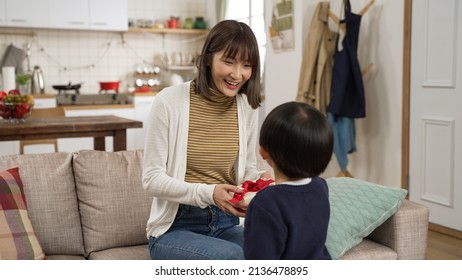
(234,38)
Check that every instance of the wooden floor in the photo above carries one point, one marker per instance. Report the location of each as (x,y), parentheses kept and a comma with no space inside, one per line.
(443,247)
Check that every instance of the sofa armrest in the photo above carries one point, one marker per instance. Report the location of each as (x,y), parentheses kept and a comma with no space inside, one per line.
(406,231)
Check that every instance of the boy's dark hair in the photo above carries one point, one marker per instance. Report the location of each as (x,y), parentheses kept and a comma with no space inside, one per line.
(233,38)
(298,138)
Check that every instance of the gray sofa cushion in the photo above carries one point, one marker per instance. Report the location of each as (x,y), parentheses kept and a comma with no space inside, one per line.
(51,200)
(139,252)
(113,205)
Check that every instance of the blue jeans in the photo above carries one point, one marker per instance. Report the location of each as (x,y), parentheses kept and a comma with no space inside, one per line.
(200,234)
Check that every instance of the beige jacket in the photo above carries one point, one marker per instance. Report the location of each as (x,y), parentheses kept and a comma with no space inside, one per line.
(314,84)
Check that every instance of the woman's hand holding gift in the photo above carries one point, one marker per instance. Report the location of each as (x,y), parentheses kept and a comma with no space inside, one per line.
(223,194)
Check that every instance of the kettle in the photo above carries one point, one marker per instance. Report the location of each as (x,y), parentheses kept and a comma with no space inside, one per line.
(38,84)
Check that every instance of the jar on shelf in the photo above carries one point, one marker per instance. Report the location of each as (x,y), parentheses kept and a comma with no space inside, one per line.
(200,23)
(188,23)
(173,22)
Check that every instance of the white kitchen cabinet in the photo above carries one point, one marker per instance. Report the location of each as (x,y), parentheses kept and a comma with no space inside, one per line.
(69,14)
(142,108)
(2,12)
(27,13)
(44,103)
(109,15)
(9,147)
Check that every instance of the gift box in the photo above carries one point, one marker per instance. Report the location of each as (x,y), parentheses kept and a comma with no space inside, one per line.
(250,189)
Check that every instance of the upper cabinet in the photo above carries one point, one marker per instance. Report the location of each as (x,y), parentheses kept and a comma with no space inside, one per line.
(2,12)
(69,14)
(109,15)
(27,13)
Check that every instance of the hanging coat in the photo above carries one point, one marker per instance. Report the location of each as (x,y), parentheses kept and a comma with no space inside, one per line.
(316,68)
(347,95)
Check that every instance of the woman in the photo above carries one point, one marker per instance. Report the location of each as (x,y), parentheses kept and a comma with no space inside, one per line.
(200,144)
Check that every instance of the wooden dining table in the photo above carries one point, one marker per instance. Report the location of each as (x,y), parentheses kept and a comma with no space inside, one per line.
(97,127)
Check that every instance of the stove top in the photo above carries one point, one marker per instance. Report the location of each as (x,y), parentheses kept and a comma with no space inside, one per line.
(93,99)
(66,91)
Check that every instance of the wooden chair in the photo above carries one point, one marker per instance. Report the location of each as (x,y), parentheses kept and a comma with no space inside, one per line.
(42,113)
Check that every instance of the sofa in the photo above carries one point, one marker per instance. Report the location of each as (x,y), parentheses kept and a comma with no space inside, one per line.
(90,205)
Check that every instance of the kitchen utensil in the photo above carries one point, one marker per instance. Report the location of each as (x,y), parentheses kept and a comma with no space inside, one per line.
(139,82)
(172,59)
(13,57)
(9,78)
(109,86)
(38,83)
(143,89)
(69,86)
(153,82)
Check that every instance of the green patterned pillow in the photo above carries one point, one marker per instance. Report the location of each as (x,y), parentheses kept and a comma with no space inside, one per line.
(357,208)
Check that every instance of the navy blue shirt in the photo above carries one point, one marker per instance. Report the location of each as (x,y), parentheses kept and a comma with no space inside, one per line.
(288,222)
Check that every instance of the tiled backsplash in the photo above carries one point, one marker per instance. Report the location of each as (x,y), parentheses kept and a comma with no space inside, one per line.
(94,56)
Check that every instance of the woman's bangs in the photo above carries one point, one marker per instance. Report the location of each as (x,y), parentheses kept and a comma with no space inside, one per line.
(236,47)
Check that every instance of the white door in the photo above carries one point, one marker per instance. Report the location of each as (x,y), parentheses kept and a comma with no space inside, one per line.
(435,175)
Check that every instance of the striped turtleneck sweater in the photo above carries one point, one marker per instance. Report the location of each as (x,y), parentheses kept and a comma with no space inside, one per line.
(213,141)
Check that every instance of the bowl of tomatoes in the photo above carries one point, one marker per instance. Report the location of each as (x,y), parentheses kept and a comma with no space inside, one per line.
(15,107)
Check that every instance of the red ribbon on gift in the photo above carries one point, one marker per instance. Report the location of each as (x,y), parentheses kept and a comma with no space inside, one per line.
(250,186)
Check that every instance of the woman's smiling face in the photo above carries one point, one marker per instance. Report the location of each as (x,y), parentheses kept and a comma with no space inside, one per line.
(228,74)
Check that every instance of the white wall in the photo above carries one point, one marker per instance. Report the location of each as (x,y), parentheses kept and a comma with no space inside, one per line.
(378,136)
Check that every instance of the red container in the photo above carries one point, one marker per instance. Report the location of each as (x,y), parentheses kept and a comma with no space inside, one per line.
(109,86)
(173,23)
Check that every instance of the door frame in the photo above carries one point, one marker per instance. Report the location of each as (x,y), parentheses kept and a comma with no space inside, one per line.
(405,129)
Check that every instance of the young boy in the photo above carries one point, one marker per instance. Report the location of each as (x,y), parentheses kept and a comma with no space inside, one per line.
(289,220)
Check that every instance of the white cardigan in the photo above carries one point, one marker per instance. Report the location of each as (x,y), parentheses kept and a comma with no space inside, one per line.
(164,166)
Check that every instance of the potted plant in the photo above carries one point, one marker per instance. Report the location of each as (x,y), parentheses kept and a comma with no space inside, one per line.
(24,82)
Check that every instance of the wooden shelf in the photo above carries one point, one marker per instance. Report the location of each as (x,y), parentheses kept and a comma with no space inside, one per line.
(179,31)
(181,67)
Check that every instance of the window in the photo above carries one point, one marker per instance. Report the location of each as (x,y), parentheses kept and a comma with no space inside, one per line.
(252,13)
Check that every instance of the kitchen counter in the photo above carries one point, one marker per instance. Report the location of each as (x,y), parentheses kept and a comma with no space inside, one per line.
(54,95)
(128,101)
(94,99)
(145,93)
(99,106)
(43,96)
